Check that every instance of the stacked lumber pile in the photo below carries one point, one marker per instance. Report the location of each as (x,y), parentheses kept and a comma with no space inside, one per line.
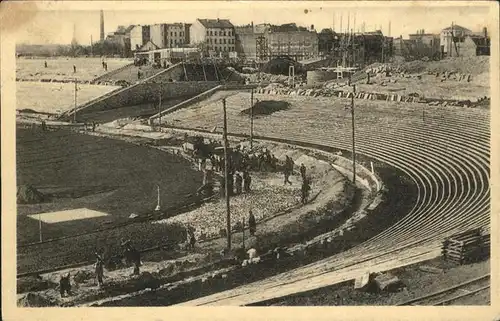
(466,247)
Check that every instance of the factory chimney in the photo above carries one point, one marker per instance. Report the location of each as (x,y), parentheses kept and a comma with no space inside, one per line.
(485,32)
(102,25)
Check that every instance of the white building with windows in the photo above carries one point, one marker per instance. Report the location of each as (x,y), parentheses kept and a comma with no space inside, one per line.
(215,35)
(162,35)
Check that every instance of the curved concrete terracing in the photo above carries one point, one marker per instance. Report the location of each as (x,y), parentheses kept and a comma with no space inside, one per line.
(448,159)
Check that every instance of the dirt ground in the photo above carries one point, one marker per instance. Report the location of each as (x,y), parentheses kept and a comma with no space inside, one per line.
(418,283)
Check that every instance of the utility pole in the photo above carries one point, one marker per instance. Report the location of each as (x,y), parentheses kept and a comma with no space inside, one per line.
(91,47)
(251,120)
(243,231)
(353,136)
(76,90)
(40,227)
(226,175)
(159,108)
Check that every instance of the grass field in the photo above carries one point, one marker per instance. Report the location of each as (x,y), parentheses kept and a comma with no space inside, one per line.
(62,68)
(55,97)
(100,174)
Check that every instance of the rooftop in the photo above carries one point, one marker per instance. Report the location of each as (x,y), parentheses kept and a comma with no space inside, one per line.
(456,28)
(216,23)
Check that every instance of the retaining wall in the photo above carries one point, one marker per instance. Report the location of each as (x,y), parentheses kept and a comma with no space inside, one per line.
(200,97)
(143,93)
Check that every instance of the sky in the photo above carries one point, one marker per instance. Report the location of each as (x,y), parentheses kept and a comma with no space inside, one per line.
(52,22)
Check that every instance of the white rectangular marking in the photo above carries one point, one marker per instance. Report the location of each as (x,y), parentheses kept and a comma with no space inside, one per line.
(68,215)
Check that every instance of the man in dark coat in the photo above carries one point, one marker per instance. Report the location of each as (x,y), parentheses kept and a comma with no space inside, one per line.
(252,224)
(192,238)
(247,181)
(99,270)
(305,191)
(238,181)
(132,256)
(65,285)
(286,171)
(303,172)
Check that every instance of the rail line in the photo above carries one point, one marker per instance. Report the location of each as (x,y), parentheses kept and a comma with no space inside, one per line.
(453,293)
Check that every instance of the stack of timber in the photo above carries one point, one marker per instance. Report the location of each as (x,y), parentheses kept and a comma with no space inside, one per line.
(467,247)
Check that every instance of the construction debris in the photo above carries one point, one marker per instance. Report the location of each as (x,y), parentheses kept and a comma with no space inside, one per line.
(362,282)
(388,282)
(334,90)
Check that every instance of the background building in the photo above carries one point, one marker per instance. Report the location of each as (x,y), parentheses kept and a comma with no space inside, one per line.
(170,35)
(451,39)
(425,45)
(139,36)
(265,41)
(121,37)
(213,35)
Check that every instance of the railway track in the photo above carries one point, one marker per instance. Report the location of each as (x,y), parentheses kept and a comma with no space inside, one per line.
(452,294)
(447,157)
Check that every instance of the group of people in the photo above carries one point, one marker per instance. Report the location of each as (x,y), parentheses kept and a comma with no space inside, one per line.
(131,255)
(238,182)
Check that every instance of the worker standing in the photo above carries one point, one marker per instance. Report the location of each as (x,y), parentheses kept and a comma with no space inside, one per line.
(286,171)
(132,256)
(65,285)
(305,191)
(238,180)
(247,181)
(303,172)
(74,69)
(252,224)
(99,270)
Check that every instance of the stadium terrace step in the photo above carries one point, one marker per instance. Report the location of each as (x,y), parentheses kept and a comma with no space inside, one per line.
(447,156)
